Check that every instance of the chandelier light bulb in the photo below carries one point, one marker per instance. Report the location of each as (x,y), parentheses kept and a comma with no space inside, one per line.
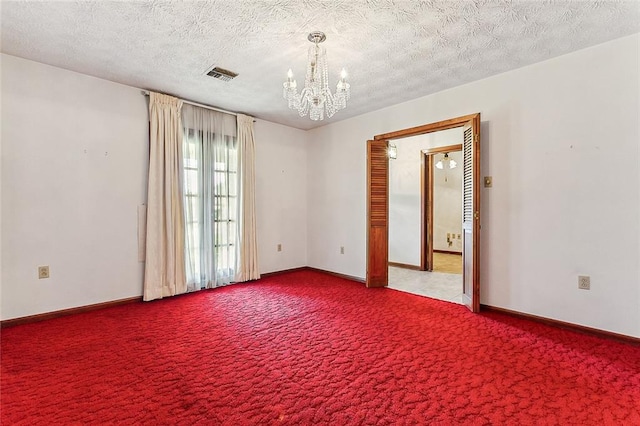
(343,74)
(289,74)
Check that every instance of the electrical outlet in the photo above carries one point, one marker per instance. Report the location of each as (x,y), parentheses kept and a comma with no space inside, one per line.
(584,282)
(43,272)
(341,249)
(279,247)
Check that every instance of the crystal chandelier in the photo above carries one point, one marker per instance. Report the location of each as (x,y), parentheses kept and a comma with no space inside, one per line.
(316,97)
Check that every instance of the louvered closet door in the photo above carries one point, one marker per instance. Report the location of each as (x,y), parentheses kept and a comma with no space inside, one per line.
(377,213)
(471,215)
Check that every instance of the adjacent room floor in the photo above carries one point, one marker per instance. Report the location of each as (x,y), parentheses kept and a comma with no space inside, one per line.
(446,285)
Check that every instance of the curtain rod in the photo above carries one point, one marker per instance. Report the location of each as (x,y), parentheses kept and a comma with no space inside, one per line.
(146,93)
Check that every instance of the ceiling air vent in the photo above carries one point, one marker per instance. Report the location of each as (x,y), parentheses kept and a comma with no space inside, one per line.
(222,74)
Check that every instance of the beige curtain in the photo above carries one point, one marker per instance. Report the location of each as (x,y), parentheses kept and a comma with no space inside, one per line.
(164,261)
(247,244)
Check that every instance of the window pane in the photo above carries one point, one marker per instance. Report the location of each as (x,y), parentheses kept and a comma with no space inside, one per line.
(194,229)
(232,233)
(233,210)
(192,212)
(221,238)
(222,259)
(191,181)
(233,178)
(219,212)
(224,208)
(233,159)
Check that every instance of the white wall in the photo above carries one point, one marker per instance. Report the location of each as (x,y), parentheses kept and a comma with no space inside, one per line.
(560,205)
(447,203)
(281,199)
(74,156)
(560,139)
(336,197)
(74,170)
(405,199)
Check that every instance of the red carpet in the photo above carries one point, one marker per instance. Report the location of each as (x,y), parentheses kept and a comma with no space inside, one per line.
(308,348)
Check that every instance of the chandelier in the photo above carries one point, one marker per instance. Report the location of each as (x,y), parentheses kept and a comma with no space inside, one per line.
(316,98)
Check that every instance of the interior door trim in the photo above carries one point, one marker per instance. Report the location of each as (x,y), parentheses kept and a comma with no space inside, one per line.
(377,253)
(428,128)
(426,203)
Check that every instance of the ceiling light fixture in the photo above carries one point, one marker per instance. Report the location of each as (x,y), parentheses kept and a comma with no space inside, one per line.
(392,151)
(451,164)
(316,98)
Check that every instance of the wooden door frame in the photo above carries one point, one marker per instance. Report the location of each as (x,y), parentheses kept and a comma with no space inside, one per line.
(426,203)
(378,248)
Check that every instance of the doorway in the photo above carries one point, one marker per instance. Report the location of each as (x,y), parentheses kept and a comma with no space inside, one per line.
(378,203)
(441,201)
(425,215)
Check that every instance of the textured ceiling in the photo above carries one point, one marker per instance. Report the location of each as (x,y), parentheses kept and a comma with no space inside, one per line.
(394,50)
